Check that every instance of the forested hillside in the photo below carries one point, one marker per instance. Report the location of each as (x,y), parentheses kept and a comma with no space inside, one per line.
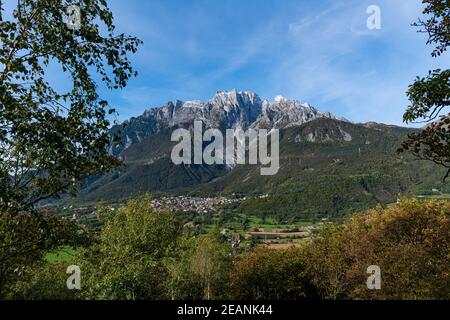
(327,167)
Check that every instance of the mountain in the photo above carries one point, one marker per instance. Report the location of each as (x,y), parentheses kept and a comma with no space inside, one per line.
(328,165)
(225,110)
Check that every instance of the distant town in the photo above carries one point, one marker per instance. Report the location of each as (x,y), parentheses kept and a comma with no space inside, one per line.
(197,204)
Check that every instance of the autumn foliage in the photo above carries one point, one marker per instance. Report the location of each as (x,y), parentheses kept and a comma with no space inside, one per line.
(408,241)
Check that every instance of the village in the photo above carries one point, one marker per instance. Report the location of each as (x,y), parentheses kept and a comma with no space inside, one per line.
(197,204)
(203,213)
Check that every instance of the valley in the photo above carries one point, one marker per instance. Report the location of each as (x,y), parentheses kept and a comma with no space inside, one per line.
(329,168)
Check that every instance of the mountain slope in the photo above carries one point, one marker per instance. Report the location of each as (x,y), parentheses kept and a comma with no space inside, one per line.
(327,167)
(145,141)
(330,167)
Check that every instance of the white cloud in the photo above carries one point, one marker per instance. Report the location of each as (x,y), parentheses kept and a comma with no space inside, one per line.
(322,53)
(343,67)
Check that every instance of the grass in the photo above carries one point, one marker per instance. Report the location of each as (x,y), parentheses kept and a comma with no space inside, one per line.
(235,220)
(63,254)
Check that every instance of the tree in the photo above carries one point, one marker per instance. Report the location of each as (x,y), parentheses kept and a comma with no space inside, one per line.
(51,139)
(246,223)
(437,26)
(45,281)
(211,262)
(267,274)
(430,96)
(24,240)
(131,259)
(408,241)
(183,283)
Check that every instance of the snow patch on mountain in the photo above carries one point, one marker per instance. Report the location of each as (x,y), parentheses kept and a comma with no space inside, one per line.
(227,109)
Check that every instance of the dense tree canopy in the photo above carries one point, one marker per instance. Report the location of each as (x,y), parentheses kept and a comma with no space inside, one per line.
(26,238)
(129,261)
(408,241)
(210,263)
(271,274)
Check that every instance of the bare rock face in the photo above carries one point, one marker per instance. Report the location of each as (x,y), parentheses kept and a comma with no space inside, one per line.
(281,113)
(225,110)
(232,109)
(324,134)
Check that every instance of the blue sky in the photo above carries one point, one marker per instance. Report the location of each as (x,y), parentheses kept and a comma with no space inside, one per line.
(312,50)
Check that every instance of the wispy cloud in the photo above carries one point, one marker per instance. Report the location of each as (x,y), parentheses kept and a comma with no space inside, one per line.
(341,66)
(316,51)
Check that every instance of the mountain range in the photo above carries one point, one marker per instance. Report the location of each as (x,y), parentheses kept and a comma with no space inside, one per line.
(328,165)
(225,110)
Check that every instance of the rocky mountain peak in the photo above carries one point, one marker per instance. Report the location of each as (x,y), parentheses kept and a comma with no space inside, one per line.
(233,98)
(227,109)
